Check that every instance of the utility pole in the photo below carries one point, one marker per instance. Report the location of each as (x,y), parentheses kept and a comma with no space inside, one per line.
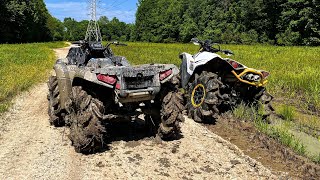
(93,30)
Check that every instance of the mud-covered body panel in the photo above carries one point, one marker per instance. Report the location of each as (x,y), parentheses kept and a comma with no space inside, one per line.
(133,83)
(229,69)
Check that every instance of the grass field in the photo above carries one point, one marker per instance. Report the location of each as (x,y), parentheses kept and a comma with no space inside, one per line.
(23,65)
(294,70)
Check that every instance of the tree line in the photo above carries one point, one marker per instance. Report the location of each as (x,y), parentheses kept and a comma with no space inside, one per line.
(282,22)
(24,21)
(113,29)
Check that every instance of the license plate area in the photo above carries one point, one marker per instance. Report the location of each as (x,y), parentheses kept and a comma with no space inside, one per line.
(138,82)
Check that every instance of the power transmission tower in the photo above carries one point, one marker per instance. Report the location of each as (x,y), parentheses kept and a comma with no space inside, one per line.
(93,30)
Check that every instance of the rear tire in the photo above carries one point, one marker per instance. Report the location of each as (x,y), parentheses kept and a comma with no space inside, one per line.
(56,115)
(86,131)
(171,111)
(204,97)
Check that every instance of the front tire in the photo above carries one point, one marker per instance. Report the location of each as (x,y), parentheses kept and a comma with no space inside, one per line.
(171,110)
(263,99)
(86,131)
(56,115)
(204,97)
(171,115)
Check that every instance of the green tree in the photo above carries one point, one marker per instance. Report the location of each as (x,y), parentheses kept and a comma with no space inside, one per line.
(288,22)
(300,23)
(24,21)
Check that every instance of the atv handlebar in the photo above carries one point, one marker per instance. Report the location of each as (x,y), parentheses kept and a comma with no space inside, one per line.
(208,46)
(117,43)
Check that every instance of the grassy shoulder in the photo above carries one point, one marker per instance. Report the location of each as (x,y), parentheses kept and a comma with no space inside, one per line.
(283,130)
(294,70)
(23,65)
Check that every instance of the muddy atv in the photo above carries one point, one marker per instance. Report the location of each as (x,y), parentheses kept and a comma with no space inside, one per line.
(92,86)
(214,84)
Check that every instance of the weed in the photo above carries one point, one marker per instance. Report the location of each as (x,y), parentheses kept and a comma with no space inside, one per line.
(316,159)
(23,65)
(287,112)
(280,133)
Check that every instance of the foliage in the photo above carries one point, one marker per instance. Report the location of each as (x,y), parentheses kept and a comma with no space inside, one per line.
(74,30)
(24,21)
(316,159)
(283,22)
(115,29)
(23,65)
(287,112)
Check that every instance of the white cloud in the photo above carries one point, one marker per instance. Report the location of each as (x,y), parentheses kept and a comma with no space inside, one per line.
(80,11)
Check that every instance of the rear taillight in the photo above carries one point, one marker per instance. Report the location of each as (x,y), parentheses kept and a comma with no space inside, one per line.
(107,79)
(165,74)
(265,74)
(234,64)
(118,86)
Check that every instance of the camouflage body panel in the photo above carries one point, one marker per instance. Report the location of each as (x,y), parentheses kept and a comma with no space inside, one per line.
(134,83)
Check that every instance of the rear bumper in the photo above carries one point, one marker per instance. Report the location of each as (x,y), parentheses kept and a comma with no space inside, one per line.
(128,96)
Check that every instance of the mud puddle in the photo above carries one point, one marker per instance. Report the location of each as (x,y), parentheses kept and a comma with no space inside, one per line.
(264,149)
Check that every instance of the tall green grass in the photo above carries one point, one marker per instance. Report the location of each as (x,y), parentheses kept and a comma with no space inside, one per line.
(21,66)
(287,112)
(279,133)
(294,70)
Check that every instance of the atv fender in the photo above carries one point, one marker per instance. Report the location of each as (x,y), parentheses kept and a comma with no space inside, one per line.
(185,76)
(191,63)
(175,71)
(64,83)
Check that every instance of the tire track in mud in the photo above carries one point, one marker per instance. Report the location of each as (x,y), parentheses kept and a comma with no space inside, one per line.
(31,149)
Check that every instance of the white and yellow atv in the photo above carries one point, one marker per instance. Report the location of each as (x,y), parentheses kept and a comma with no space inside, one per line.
(214,84)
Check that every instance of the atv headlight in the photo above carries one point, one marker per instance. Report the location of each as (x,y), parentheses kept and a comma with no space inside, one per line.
(252,77)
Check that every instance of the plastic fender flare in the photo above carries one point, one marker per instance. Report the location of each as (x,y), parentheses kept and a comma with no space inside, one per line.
(64,83)
(175,71)
(195,66)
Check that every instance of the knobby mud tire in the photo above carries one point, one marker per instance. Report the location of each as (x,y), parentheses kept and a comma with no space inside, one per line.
(208,110)
(86,131)
(171,110)
(264,99)
(56,115)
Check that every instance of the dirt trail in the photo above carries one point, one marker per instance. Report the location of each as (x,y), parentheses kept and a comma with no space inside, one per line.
(31,149)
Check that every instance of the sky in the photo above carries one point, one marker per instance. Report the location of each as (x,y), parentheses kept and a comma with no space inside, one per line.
(79,9)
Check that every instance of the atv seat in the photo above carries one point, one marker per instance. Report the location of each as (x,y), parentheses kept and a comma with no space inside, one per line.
(120,61)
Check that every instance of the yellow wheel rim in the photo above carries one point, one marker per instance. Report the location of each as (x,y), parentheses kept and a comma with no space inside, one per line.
(198,95)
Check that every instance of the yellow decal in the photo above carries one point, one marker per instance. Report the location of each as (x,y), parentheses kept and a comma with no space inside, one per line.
(195,104)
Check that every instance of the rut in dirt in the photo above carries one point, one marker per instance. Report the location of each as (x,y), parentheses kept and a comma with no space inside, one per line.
(266,150)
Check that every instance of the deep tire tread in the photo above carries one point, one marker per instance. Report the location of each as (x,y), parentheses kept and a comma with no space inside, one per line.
(209,108)
(54,109)
(171,112)
(86,131)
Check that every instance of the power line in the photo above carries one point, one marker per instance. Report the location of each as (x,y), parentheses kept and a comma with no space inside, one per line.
(93,30)
(116,5)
